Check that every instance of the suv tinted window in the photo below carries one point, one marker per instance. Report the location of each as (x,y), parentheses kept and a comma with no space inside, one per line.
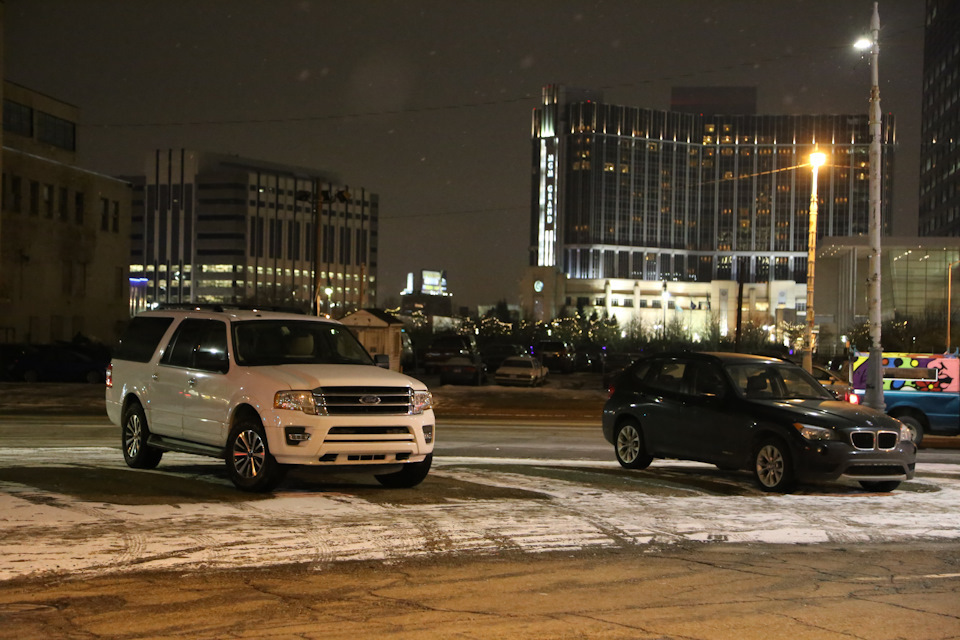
(198,344)
(141,338)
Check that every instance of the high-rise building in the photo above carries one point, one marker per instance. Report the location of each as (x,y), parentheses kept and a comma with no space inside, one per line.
(638,211)
(212,228)
(64,230)
(940,121)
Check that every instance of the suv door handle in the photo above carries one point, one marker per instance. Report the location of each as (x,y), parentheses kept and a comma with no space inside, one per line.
(192,382)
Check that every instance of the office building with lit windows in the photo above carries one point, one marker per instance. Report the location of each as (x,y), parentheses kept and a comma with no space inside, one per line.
(940,121)
(650,215)
(218,229)
(64,230)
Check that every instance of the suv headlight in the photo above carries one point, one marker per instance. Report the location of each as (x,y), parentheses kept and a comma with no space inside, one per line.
(420,402)
(810,432)
(296,401)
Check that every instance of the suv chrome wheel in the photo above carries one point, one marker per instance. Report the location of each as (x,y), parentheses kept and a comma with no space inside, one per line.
(249,453)
(133,437)
(249,463)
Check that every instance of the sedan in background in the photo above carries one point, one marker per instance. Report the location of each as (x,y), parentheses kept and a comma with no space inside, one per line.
(754,413)
(521,370)
(462,370)
(840,388)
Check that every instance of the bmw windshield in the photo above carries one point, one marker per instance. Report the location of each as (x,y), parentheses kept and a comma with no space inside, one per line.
(775,381)
(277,342)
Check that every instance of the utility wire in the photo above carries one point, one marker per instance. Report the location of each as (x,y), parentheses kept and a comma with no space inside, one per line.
(465,105)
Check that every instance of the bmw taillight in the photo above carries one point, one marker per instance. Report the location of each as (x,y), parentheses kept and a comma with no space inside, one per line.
(853,398)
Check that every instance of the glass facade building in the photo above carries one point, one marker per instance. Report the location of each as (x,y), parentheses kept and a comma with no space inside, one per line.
(940,121)
(211,228)
(649,195)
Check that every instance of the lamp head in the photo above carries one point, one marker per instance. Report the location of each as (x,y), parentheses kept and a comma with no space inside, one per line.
(817,159)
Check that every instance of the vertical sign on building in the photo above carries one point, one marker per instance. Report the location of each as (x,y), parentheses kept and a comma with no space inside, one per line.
(548,203)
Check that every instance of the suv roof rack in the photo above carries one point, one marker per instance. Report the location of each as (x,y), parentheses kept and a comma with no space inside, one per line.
(220,307)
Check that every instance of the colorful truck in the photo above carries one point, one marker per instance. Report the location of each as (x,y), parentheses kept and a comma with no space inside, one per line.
(922,390)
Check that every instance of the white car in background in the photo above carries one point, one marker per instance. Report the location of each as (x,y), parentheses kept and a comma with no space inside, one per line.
(264,391)
(521,370)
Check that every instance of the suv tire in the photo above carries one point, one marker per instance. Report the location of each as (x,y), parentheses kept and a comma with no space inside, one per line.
(410,475)
(773,466)
(250,465)
(133,439)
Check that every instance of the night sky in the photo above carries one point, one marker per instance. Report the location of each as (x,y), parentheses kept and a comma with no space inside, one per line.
(428,102)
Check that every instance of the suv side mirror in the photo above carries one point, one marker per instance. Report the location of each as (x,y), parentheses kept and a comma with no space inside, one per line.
(382,360)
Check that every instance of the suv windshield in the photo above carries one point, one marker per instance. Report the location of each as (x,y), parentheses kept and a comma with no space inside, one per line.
(775,381)
(275,342)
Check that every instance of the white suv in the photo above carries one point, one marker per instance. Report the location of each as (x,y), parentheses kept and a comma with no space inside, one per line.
(265,390)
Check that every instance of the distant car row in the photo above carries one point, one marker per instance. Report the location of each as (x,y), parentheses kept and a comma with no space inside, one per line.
(59,362)
(522,370)
(461,352)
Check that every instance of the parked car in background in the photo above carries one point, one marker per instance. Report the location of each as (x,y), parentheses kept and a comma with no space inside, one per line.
(756,413)
(60,362)
(462,370)
(443,347)
(840,388)
(556,355)
(922,390)
(589,356)
(495,353)
(521,370)
(10,355)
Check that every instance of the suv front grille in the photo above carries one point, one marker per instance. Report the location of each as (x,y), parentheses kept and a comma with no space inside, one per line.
(364,401)
(868,440)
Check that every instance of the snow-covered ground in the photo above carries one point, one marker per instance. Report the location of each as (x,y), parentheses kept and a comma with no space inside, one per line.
(543,505)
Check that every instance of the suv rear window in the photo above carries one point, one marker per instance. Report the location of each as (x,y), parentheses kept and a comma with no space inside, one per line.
(140,340)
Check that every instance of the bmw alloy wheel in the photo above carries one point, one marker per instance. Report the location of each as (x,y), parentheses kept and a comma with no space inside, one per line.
(770,465)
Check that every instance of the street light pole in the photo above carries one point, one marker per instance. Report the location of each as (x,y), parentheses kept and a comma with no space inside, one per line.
(873,395)
(816,161)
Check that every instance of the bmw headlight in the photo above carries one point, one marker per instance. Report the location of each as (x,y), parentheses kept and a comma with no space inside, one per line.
(811,432)
(296,401)
(905,433)
(420,401)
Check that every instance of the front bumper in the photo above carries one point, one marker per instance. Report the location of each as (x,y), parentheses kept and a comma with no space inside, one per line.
(831,460)
(302,439)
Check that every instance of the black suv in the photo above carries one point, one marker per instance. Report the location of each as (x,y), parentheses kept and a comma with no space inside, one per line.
(750,412)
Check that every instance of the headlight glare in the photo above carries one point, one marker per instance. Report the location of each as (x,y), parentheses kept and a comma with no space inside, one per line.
(420,401)
(296,401)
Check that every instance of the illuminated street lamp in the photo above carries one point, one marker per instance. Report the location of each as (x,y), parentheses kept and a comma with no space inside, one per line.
(329,291)
(816,161)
